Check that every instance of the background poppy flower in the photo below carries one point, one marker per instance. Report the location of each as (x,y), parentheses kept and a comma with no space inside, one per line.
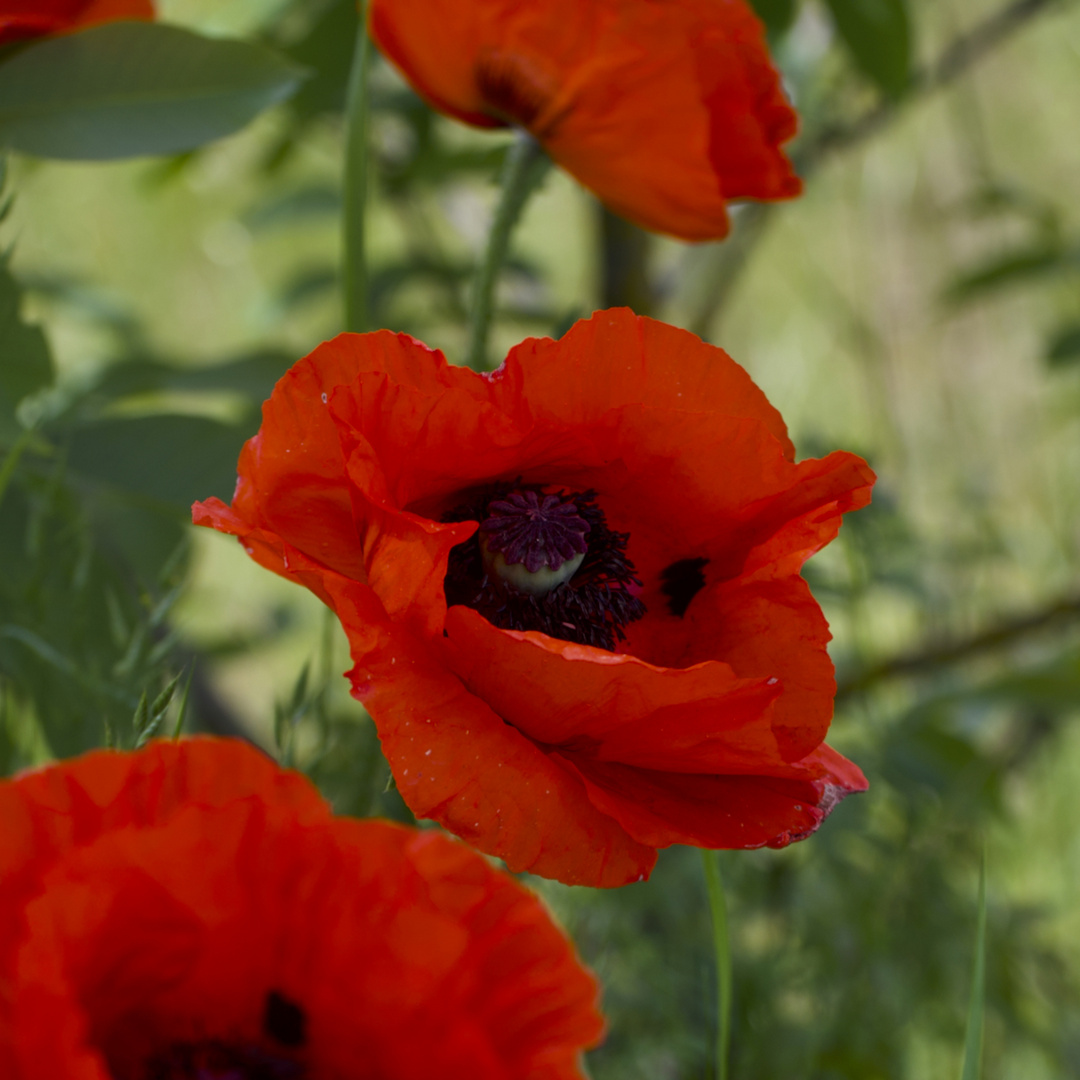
(191,910)
(665,111)
(676,689)
(34,18)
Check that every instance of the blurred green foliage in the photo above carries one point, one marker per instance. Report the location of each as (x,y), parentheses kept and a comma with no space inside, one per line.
(853,951)
(132,88)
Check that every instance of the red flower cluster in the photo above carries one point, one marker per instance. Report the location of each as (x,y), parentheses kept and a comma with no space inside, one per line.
(192,912)
(666,111)
(35,18)
(570,711)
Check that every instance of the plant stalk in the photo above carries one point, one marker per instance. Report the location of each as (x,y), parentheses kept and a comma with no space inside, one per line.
(722,945)
(526,164)
(973,1039)
(357,112)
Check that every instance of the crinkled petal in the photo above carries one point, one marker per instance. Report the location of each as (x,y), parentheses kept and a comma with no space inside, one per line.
(51,812)
(618,358)
(435,44)
(678,111)
(659,808)
(584,701)
(177,930)
(775,629)
(454,759)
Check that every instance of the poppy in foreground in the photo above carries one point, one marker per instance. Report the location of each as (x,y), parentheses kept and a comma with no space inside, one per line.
(571,586)
(666,111)
(35,18)
(193,912)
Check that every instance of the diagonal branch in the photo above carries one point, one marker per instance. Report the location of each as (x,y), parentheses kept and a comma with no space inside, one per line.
(956,59)
(928,660)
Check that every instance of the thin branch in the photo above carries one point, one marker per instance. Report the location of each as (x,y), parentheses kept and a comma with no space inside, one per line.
(934,657)
(956,59)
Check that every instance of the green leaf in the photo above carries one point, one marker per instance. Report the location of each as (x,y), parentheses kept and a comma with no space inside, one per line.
(142,718)
(973,1040)
(1015,266)
(171,459)
(1064,348)
(302,206)
(181,713)
(878,35)
(326,49)
(253,376)
(149,720)
(777,15)
(25,362)
(128,89)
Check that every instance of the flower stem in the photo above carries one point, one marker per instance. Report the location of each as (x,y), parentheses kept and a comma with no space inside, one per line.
(722,945)
(354,273)
(7,468)
(973,1040)
(526,164)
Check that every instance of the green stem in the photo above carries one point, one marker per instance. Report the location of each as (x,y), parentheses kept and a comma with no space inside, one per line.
(722,945)
(526,164)
(7,469)
(354,274)
(973,1040)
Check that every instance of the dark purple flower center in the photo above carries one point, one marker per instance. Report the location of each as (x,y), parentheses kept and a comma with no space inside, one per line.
(582,586)
(214,1060)
(284,1024)
(535,530)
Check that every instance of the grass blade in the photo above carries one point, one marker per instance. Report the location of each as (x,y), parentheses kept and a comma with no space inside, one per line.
(722,945)
(973,1041)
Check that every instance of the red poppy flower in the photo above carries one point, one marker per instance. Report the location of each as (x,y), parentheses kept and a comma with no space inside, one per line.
(672,686)
(666,111)
(34,18)
(192,911)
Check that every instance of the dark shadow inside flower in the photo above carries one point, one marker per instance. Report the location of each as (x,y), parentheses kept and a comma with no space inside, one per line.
(682,581)
(523,570)
(213,1060)
(283,1020)
(513,86)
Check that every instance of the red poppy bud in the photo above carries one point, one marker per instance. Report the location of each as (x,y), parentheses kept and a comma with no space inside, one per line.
(675,689)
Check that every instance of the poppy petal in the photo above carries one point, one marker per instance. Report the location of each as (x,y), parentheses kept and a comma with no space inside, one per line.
(456,760)
(435,43)
(665,112)
(200,902)
(530,812)
(586,701)
(660,808)
(678,111)
(618,358)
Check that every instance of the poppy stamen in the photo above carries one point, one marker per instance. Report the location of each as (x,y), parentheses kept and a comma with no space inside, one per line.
(532,541)
(217,1060)
(544,561)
